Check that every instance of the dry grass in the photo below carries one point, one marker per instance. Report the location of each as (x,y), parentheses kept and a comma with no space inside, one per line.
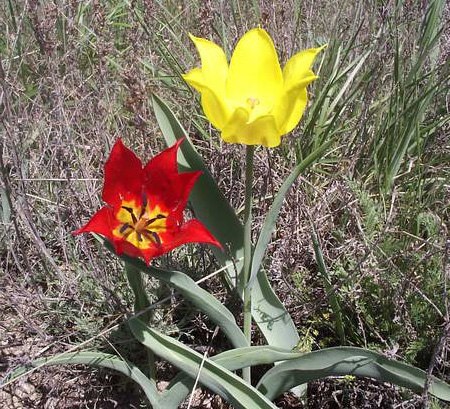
(77,75)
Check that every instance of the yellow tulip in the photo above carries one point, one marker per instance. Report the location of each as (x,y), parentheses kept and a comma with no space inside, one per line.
(251,100)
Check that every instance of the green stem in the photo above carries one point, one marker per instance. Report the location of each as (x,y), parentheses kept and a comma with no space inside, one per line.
(246,372)
(141,302)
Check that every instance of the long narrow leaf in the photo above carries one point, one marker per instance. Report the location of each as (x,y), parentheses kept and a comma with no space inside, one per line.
(349,80)
(177,391)
(100,360)
(210,205)
(332,297)
(213,376)
(347,361)
(212,208)
(192,292)
(306,367)
(232,360)
(272,215)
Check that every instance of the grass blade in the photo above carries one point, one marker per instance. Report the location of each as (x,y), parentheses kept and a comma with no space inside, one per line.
(272,215)
(334,301)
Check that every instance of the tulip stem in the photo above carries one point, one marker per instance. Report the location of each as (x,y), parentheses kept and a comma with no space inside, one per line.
(246,372)
(141,302)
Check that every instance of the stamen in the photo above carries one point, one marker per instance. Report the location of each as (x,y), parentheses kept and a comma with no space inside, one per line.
(153,235)
(124,228)
(141,225)
(156,238)
(144,205)
(158,217)
(125,236)
(130,210)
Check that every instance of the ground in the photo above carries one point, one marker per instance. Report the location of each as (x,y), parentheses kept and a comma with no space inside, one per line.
(76,75)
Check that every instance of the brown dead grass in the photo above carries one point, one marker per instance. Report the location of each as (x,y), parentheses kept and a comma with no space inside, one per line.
(63,105)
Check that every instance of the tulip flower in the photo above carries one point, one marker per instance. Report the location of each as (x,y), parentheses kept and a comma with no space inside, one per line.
(143,216)
(251,100)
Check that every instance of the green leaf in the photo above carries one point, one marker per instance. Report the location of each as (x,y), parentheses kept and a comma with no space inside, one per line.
(232,360)
(272,215)
(239,358)
(192,292)
(96,359)
(213,376)
(212,208)
(341,361)
(210,205)
(300,368)
(141,303)
(177,391)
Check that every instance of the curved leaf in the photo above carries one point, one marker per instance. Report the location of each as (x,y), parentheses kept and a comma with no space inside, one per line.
(239,358)
(100,360)
(212,208)
(232,360)
(192,292)
(177,391)
(272,214)
(210,205)
(347,361)
(218,379)
(300,368)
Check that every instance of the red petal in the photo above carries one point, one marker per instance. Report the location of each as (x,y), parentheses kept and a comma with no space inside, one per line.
(164,184)
(123,174)
(102,223)
(192,231)
(151,253)
(186,182)
(195,231)
(124,247)
(165,163)
(171,193)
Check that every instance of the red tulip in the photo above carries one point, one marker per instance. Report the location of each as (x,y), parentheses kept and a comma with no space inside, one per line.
(143,216)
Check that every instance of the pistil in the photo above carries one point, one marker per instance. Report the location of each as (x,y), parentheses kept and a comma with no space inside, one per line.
(141,224)
(253,102)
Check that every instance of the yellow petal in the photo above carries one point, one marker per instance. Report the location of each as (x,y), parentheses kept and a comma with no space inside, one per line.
(209,80)
(254,76)
(297,75)
(291,106)
(195,78)
(290,110)
(262,131)
(213,105)
(214,108)
(214,62)
(299,66)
